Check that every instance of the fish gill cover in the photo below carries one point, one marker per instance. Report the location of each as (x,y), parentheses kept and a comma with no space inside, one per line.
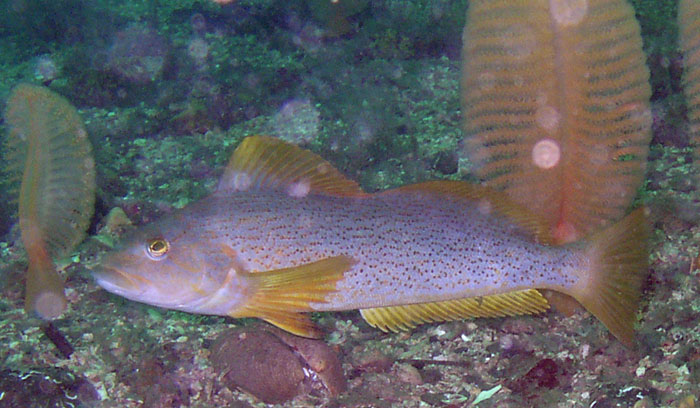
(556,107)
(49,149)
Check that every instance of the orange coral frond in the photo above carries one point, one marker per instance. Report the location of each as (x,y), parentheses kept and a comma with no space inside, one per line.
(58,182)
(49,144)
(556,105)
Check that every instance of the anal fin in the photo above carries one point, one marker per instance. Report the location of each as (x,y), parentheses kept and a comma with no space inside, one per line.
(405,317)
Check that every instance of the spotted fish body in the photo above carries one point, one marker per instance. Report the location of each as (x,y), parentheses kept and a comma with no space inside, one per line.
(286,233)
(405,245)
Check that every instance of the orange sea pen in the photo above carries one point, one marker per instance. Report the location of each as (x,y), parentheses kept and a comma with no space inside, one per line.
(48,147)
(556,107)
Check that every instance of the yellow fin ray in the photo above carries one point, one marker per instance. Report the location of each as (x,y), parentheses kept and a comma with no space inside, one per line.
(263,162)
(280,296)
(404,317)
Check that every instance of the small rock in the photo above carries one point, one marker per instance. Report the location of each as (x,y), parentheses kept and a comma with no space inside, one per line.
(372,362)
(546,374)
(276,366)
(644,403)
(431,375)
(408,374)
(319,357)
(434,399)
(258,363)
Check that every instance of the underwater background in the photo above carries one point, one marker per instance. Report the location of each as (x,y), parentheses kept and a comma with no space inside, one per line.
(167,90)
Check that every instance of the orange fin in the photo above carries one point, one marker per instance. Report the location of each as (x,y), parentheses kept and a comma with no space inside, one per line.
(490,200)
(619,264)
(263,162)
(556,107)
(404,317)
(283,294)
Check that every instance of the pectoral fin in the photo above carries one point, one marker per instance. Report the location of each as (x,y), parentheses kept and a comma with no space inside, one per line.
(404,317)
(283,294)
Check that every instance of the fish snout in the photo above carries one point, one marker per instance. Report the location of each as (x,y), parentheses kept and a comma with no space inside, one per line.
(117,280)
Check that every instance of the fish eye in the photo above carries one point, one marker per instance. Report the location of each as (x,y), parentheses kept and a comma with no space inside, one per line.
(157,249)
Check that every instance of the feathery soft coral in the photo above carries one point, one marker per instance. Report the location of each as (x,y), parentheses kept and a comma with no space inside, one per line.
(556,107)
(48,148)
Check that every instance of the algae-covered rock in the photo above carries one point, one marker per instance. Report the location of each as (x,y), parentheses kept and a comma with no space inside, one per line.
(45,387)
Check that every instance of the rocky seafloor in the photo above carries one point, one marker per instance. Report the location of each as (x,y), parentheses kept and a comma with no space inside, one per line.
(168,90)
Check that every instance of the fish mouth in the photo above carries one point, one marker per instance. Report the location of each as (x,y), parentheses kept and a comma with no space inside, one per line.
(120,282)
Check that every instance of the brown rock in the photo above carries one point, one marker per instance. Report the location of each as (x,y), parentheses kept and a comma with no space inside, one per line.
(408,374)
(372,361)
(276,366)
(257,362)
(320,358)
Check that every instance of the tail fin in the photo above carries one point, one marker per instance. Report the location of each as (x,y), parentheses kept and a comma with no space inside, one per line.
(619,264)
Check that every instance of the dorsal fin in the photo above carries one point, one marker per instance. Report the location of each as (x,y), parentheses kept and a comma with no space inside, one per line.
(263,162)
(490,200)
(404,317)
